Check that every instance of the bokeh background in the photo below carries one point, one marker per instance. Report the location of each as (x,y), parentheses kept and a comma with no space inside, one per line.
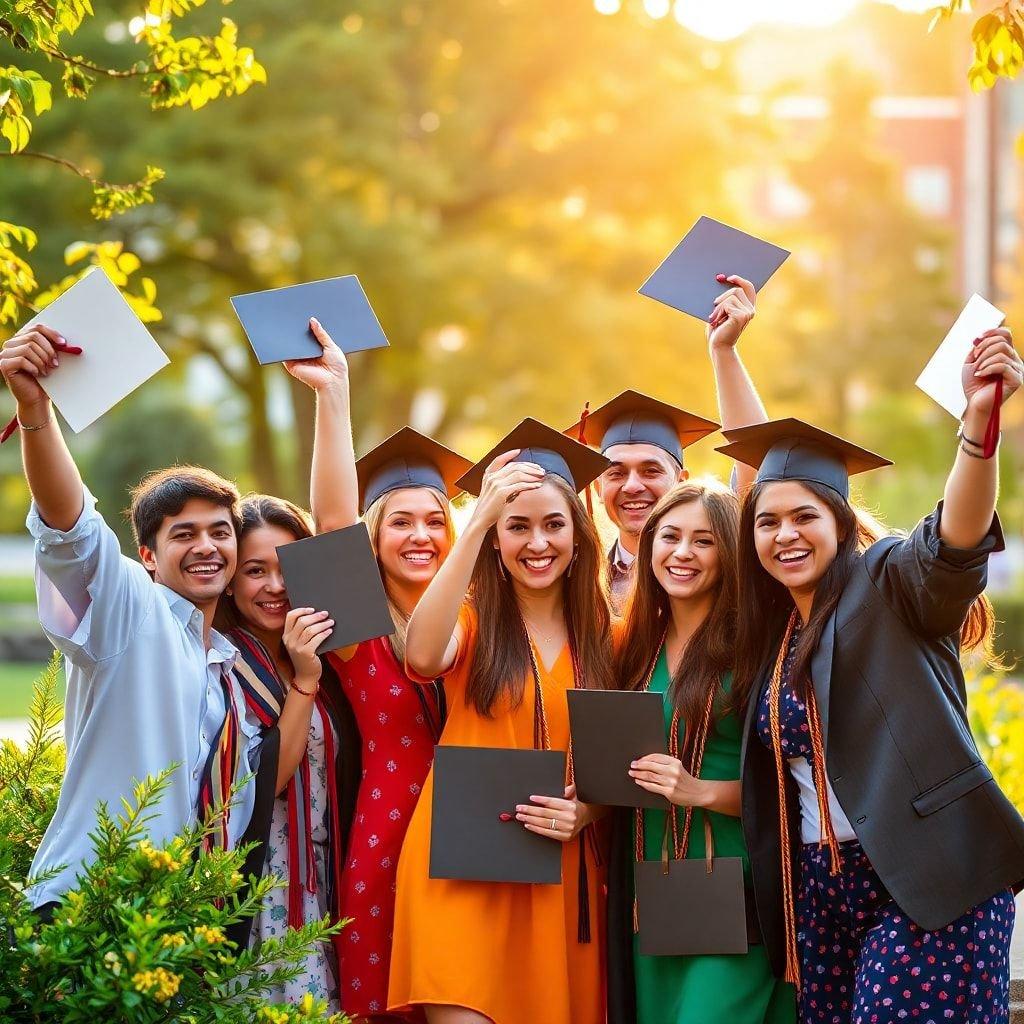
(503,175)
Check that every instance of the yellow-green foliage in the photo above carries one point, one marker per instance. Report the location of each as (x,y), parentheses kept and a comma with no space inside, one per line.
(996,708)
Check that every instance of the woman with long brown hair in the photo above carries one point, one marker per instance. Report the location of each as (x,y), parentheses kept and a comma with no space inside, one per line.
(883,851)
(535,625)
(678,639)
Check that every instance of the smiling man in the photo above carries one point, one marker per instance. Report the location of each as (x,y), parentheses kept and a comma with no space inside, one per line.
(147,676)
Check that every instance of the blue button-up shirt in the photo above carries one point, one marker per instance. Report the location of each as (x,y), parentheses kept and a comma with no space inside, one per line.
(143,692)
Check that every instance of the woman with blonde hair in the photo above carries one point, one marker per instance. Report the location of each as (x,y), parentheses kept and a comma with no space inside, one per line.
(677,638)
(402,489)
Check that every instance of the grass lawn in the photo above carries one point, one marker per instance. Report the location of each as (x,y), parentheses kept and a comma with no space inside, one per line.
(16,679)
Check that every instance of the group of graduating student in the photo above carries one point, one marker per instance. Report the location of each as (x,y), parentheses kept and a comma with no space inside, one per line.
(814,702)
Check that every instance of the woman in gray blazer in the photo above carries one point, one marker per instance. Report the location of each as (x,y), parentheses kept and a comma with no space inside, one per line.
(883,853)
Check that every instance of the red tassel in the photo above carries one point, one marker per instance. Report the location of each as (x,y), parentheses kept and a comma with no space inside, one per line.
(582,438)
(9,429)
(294,887)
(992,429)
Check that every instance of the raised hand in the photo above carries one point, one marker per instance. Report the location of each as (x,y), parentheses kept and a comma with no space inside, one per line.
(329,369)
(734,309)
(304,630)
(503,480)
(33,353)
(992,357)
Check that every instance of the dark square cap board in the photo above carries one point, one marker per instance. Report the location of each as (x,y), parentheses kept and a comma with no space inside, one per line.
(118,352)
(611,728)
(555,453)
(686,278)
(336,572)
(408,459)
(790,449)
(276,321)
(473,787)
(635,418)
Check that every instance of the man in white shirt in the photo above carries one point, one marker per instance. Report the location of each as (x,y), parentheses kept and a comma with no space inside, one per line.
(148,678)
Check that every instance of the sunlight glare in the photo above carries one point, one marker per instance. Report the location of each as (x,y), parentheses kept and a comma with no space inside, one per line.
(726,20)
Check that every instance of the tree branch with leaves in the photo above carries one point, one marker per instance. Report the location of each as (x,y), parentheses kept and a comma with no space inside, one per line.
(173,71)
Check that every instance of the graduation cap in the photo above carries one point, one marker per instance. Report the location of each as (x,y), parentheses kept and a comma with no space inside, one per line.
(634,418)
(790,449)
(118,352)
(337,572)
(555,453)
(408,459)
(474,834)
(687,278)
(276,321)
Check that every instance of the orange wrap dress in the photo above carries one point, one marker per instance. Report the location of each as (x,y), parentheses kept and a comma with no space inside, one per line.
(506,950)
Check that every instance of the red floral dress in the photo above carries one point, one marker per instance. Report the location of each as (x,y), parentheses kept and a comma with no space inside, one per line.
(399,722)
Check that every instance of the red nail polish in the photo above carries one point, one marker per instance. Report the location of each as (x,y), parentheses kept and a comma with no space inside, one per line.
(72,350)
(505,816)
(720,277)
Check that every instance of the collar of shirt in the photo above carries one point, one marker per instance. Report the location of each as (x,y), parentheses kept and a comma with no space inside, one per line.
(622,559)
(221,649)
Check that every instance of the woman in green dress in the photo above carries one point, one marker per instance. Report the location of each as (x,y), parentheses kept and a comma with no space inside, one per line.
(677,638)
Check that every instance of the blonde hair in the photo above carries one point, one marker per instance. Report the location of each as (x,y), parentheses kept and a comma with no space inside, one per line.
(374,519)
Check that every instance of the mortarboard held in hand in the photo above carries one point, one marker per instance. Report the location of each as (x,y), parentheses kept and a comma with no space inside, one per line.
(942,378)
(408,459)
(276,321)
(687,278)
(118,352)
(635,418)
(337,572)
(610,729)
(474,833)
(790,449)
(548,448)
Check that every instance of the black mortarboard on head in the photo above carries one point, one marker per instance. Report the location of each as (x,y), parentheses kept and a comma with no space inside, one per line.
(790,449)
(408,459)
(634,418)
(555,453)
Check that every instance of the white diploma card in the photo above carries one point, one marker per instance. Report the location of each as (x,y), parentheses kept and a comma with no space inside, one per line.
(118,353)
(941,379)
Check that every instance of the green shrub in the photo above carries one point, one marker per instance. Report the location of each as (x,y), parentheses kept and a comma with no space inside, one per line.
(141,939)
(1010,631)
(996,709)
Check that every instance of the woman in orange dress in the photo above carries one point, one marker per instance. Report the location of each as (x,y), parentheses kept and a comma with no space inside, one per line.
(535,621)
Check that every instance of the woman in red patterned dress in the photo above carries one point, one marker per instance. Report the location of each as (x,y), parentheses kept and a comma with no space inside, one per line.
(402,489)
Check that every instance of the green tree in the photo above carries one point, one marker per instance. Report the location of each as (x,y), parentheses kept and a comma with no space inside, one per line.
(169,71)
(997,37)
(502,176)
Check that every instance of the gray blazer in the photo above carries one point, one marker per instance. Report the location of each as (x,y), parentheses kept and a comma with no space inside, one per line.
(898,747)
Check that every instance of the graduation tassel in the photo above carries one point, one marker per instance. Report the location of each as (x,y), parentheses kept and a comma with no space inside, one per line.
(582,438)
(583,915)
(992,428)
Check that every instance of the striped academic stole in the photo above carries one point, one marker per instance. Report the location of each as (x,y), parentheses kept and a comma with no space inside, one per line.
(265,695)
(219,774)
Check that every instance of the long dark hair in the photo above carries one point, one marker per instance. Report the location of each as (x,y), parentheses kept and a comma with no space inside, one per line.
(765,604)
(709,654)
(256,510)
(501,658)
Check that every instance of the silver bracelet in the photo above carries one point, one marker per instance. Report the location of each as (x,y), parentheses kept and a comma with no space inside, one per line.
(40,426)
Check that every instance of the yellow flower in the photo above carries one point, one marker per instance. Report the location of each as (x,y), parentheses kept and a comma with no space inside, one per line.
(160,983)
(172,940)
(158,858)
(273,1015)
(306,1003)
(209,933)
(113,962)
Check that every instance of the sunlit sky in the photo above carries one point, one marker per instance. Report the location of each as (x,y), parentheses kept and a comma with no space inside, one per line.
(726,19)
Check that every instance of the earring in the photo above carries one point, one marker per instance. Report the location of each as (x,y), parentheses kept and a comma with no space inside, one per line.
(503,572)
(229,592)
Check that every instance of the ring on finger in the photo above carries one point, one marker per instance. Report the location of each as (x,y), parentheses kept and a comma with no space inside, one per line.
(554,825)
